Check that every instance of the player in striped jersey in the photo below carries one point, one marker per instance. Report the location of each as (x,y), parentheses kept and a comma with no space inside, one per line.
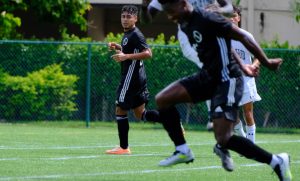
(152,8)
(132,92)
(220,80)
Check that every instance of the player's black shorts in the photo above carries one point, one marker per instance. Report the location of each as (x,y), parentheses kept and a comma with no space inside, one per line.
(131,100)
(224,96)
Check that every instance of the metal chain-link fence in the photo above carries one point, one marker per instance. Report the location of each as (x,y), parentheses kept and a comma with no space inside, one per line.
(77,81)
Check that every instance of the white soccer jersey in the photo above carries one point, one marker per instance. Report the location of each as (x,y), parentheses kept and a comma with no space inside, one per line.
(250,92)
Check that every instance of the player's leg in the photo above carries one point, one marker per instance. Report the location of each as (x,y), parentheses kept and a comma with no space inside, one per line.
(280,163)
(209,125)
(166,100)
(239,128)
(243,146)
(250,123)
(223,132)
(123,129)
(138,111)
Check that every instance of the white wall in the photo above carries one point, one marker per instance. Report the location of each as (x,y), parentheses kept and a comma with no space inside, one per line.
(278,20)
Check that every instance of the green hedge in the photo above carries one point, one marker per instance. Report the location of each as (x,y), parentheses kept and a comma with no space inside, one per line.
(44,94)
(280,90)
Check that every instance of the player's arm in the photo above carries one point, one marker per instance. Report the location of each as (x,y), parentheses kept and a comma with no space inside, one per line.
(256,62)
(147,12)
(249,69)
(223,7)
(226,7)
(120,56)
(236,34)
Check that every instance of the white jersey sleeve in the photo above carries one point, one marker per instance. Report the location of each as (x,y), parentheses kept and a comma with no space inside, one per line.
(155,4)
(188,51)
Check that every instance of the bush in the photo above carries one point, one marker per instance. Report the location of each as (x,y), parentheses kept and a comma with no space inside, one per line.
(44,94)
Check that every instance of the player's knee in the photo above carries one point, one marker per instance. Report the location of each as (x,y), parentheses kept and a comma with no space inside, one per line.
(222,139)
(159,99)
(138,115)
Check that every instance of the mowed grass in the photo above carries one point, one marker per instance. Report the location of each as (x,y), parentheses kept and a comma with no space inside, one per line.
(70,151)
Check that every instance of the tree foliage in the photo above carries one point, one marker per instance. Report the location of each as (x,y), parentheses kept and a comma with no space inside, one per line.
(8,21)
(296,9)
(62,12)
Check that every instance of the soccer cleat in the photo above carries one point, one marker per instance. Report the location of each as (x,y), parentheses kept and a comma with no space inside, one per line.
(224,154)
(118,151)
(176,158)
(283,169)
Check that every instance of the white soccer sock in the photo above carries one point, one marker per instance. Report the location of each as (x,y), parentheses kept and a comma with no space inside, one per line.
(239,130)
(275,160)
(250,130)
(183,148)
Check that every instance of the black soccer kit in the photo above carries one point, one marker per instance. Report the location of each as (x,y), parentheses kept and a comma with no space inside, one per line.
(220,78)
(132,91)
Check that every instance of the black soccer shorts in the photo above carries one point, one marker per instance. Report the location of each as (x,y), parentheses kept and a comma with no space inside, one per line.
(131,99)
(224,96)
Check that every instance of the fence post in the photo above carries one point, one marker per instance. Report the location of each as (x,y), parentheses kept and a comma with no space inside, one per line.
(88,88)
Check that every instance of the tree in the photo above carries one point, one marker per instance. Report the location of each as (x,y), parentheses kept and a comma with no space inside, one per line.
(8,22)
(296,9)
(61,12)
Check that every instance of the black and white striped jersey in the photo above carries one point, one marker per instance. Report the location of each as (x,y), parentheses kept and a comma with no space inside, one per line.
(133,75)
(207,35)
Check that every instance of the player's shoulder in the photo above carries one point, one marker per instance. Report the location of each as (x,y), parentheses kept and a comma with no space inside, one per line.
(247,32)
(155,4)
(138,33)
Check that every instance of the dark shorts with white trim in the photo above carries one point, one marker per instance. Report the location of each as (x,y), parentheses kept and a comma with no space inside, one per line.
(132,99)
(224,96)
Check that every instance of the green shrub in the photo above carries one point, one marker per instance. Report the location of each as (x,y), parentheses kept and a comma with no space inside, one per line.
(44,94)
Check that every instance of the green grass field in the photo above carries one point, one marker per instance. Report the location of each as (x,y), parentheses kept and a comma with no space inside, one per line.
(69,151)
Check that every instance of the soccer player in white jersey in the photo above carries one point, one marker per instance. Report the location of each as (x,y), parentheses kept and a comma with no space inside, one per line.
(250,94)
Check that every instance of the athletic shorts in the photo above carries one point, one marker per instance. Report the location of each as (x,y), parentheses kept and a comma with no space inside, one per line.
(131,99)
(250,93)
(224,96)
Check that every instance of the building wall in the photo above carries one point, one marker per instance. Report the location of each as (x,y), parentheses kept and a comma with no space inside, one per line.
(104,19)
(279,20)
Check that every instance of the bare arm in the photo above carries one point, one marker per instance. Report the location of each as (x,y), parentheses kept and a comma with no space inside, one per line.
(250,70)
(254,48)
(120,56)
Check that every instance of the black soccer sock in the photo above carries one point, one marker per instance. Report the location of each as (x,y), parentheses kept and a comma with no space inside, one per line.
(171,121)
(151,116)
(248,149)
(123,129)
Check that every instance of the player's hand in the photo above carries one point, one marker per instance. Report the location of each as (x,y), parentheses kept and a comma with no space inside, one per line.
(274,63)
(251,70)
(119,56)
(112,46)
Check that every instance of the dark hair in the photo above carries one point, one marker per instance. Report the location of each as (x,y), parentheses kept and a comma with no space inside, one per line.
(237,9)
(130,9)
